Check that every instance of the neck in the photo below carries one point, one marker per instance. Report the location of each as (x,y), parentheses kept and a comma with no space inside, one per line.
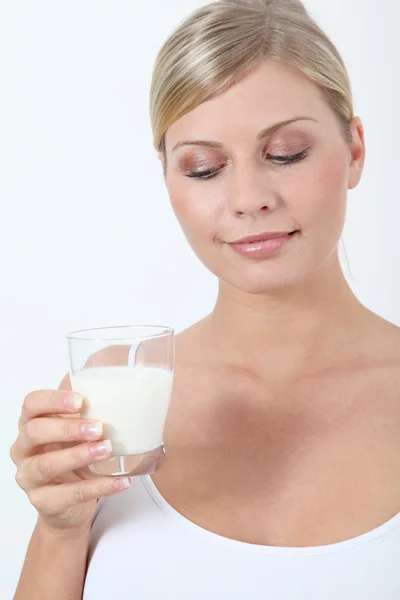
(290,332)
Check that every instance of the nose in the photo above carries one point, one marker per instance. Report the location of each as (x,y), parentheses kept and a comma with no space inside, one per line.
(250,192)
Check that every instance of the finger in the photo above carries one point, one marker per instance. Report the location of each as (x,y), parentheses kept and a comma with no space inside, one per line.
(47,402)
(40,431)
(52,500)
(42,468)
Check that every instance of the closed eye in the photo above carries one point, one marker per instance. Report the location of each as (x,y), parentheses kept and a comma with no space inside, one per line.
(280,160)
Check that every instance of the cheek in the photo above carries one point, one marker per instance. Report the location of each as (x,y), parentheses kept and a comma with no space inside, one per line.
(195,215)
(325,192)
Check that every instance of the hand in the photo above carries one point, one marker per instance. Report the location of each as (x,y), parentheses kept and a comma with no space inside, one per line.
(52,448)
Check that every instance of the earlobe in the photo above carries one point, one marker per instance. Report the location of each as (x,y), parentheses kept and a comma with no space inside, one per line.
(354,177)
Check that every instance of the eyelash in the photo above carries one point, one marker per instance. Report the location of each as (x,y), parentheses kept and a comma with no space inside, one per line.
(284,161)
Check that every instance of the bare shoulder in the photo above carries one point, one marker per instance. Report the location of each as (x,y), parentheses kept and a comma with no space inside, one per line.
(389,347)
(383,341)
(375,375)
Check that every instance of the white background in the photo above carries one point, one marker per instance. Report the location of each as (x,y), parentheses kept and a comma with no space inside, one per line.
(87,236)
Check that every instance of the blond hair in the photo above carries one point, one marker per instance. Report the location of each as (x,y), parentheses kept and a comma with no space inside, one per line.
(219,42)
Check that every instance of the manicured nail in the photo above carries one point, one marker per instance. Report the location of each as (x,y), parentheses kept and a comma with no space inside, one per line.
(73,401)
(122,484)
(91,428)
(99,449)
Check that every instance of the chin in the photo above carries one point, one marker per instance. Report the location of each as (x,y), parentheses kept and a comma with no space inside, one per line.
(265,277)
(263,286)
(272,275)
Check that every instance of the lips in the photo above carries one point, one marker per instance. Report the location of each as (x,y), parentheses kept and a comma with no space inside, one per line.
(263,244)
(262,237)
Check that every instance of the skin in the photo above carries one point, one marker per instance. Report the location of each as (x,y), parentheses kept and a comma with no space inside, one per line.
(275,393)
(285,403)
(276,304)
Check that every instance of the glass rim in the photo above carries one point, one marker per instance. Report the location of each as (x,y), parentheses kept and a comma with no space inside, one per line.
(163,330)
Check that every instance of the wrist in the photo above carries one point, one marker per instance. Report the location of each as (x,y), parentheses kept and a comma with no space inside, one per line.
(50,534)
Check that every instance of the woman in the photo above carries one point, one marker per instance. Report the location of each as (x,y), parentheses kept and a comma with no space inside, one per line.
(282,478)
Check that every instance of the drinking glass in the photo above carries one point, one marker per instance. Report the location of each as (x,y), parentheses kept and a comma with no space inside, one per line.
(125,375)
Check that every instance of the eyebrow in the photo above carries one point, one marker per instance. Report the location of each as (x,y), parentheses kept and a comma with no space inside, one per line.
(264,133)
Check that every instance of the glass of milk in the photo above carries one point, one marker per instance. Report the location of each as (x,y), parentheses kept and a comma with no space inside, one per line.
(125,374)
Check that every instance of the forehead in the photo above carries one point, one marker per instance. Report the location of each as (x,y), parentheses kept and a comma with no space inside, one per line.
(270,93)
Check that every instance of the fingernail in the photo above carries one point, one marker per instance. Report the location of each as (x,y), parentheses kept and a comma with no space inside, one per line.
(91,428)
(73,401)
(122,484)
(100,448)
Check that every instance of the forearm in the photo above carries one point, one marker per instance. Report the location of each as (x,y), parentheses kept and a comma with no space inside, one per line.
(54,566)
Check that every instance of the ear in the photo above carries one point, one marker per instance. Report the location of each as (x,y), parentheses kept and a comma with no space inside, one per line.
(357,153)
(160,157)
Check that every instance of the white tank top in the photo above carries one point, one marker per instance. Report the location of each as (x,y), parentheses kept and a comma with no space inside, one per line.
(143,549)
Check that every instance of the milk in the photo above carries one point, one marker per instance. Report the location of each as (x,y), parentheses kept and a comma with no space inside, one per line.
(131,401)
